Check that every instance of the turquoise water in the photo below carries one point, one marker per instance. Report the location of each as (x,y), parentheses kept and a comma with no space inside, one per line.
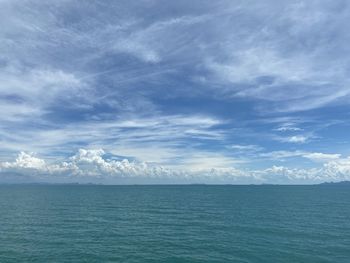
(175,224)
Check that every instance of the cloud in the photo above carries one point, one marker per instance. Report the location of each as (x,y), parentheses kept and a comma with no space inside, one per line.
(85,163)
(137,49)
(249,147)
(297,139)
(338,170)
(288,128)
(199,161)
(254,59)
(322,157)
(92,164)
(276,155)
(26,92)
(25,160)
(144,43)
(313,156)
(272,59)
(153,138)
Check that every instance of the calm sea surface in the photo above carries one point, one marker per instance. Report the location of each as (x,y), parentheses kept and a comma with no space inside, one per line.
(175,224)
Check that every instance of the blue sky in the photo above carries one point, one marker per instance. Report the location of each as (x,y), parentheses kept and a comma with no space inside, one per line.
(174,92)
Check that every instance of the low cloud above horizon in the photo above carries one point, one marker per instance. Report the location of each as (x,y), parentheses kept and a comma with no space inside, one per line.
(176,92)
(96,166)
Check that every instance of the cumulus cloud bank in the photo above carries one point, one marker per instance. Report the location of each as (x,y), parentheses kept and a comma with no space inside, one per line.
(92,166)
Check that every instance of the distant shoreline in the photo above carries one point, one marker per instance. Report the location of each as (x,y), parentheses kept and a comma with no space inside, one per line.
(342,183)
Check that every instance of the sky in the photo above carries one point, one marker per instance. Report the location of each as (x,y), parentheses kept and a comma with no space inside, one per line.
(129,92)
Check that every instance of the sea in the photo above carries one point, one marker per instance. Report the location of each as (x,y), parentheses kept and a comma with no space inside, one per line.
(175,223)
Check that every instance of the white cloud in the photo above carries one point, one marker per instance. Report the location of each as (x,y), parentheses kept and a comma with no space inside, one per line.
(291,71)
(287,128)
(297,139)
(28,92)
(321,157)
(276,155)
(143,138)
(92,164)
(249,147)
(150,43)
(201,161)
(253,62)
(293,139)
(25,160)
(338,170)
(313,156)
(137,49)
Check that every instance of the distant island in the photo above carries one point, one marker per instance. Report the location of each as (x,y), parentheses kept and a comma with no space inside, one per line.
(336,183)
